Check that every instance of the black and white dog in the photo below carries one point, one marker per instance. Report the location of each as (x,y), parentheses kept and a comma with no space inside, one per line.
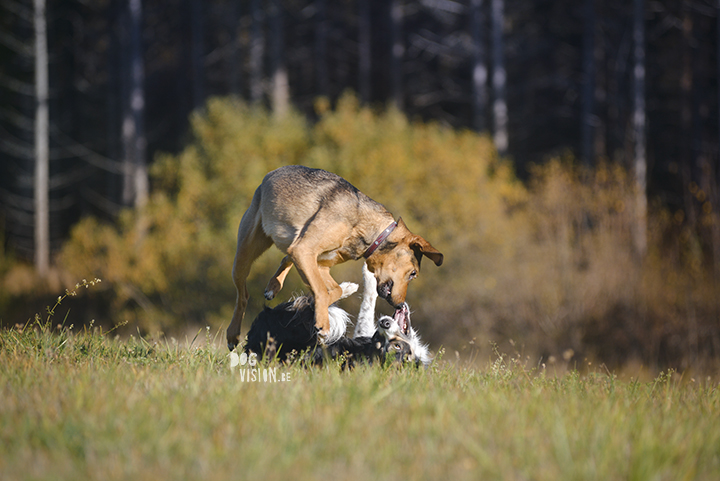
(290,327)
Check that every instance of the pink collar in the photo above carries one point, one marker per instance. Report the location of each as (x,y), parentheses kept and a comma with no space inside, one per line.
(380,239)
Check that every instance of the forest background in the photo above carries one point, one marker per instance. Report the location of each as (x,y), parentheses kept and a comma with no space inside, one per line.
(563,155)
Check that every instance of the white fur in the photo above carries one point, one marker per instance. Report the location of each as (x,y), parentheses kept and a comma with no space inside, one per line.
(339,319)
(419,350)
(365,326)
(348,289)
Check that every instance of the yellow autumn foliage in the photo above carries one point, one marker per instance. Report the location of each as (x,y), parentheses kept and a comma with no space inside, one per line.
(548,264)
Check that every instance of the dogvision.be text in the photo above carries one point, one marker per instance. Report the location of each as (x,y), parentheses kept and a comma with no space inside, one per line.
(249,373)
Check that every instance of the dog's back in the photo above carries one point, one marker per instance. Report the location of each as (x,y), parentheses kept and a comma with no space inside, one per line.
(288,327)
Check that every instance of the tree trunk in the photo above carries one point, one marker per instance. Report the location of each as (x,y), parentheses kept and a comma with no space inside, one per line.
(480,71)
(114,98)
(281,89)
(42,161)
(234,60)
(197,53)
(500,133)
(365,51)
(257,51)
(588,91)
(716,207)
(321,70)
(640,162)
(687,157)
(136,185)
(398,53)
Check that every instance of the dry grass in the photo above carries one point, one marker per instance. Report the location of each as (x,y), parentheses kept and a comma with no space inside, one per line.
(83,405)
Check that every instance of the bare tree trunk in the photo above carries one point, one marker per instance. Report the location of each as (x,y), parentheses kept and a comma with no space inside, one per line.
(398,53)
(257,51)
(500,133)
(114,99)
(281,89)
(687,159)
(197,53)
(42,161)
(716,220)
(716,207)
(639,130)
(321,70)
(588,106)
(234,59)
(480,71)
(365,51)
(136,185)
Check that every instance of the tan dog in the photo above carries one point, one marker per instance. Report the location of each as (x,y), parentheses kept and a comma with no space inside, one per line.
(319,220)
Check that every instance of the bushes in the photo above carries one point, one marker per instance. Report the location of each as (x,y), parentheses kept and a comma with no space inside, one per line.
(549,265)
(169,265)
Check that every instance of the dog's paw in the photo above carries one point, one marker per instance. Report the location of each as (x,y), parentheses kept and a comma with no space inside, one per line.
(323,337)
(273,287)
(231,346)
(348,289)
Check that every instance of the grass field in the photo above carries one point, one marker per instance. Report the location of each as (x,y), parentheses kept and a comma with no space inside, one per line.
(83,405)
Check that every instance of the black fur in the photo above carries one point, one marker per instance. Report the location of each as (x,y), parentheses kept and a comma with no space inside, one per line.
(290,326)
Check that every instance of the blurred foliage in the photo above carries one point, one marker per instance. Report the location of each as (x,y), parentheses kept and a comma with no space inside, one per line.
(547,266)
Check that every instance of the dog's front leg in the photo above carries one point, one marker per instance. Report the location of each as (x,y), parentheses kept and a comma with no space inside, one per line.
(324,288)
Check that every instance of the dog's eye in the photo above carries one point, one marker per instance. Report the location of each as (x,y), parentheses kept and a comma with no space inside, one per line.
(413,274)
(397,346)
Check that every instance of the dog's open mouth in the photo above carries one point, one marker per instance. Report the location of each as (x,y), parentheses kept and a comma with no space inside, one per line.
(402,317)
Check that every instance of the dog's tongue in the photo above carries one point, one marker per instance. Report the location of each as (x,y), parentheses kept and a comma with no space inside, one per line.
(402,316)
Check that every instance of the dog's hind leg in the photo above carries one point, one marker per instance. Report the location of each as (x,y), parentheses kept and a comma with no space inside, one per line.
(252,242)
(278,279)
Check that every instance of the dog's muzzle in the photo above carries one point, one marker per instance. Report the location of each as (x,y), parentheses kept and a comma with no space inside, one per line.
(384,290)
(399,323)
(402,317)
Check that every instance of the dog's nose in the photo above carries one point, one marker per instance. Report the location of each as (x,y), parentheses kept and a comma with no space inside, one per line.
(384,322)
(385,289)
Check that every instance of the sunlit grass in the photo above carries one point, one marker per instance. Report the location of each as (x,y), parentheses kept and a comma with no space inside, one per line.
(85,405)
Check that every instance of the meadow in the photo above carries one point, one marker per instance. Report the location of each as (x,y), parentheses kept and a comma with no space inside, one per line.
(83,404)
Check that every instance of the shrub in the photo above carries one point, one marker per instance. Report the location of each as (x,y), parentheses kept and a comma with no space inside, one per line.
(547,266)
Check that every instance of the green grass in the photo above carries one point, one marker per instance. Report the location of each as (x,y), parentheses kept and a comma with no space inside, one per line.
(86,405)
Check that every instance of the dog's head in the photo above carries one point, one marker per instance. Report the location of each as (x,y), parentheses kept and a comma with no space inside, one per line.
(396,262)
(392,340)
(395,332)
(401,340)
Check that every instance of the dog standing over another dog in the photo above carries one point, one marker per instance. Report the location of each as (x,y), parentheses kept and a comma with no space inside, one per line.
(289,327)
(318,220)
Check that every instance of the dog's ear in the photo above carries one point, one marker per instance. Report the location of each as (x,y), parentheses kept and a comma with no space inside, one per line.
(421,247)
